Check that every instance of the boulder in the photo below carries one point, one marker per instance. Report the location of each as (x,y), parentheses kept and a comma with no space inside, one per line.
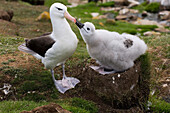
(51,108)
(150,33)
(121,17)
(147,22)
(144,14)
(124,11)
(165,23)
(6,15)
(121,2)
(134,11)
(162,30)
(164,15)
(116,9)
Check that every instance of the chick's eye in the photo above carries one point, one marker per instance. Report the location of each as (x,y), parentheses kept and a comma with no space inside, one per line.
(59,9)
(88,29)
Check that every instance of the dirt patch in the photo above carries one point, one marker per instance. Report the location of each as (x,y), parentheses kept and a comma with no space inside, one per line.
(125,91)
(51,108)
(8,28)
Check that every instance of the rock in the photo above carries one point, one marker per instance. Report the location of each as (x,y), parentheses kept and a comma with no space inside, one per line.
(110,15)
(121,2)
(144,14)
(121,17)
(165,23)
(132,5)
(6,15)
(133,2)
(164,15)
(94,14)
(150,33)
(162,30)
(147,22)
(110,21)
(51,108)
(123,11)
(111,9)
(102,16)
(132,17)
(165,2)
(134,11)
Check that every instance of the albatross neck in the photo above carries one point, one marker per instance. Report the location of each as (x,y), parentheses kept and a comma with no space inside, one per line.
(60,26)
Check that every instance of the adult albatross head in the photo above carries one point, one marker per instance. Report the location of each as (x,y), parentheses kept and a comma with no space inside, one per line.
(58,10)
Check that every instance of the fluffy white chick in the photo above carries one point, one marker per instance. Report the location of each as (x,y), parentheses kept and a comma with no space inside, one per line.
(113,51)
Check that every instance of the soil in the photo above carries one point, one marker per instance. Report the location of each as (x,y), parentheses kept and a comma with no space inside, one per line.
(127,93)
(51,108)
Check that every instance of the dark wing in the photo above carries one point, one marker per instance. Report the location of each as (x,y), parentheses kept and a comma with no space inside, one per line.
(40,44)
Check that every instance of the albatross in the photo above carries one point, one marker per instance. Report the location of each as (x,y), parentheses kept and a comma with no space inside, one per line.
(55,48)
(114,52)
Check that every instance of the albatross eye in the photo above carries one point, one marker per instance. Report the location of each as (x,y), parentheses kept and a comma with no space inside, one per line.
(88,28)
(59,9)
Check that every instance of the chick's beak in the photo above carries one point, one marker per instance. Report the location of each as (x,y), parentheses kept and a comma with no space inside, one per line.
(68,16)
(79,24)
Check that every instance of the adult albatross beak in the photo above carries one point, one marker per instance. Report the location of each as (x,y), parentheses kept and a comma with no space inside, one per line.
(68,16)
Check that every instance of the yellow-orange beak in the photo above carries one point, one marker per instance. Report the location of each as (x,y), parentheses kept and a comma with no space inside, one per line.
(68,16)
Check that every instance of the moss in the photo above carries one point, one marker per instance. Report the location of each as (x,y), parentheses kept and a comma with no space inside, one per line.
(107,4)
(84,104)
(159,105)
(29,86)
(50,2)
(14,71)
(34,97)
(153,7)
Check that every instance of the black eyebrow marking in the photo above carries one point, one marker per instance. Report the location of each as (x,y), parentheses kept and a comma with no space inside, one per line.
(59,9)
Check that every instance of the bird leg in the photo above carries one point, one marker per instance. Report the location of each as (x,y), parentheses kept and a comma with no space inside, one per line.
(66,83)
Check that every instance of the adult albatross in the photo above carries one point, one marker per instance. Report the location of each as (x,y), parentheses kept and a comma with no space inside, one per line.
(55,48)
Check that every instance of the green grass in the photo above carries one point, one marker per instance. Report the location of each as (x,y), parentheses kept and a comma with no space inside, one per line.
(8,44)
(152,7)
(84,104)
(107,4)
(159,105)
(50,2)
(19,106)
(72,105)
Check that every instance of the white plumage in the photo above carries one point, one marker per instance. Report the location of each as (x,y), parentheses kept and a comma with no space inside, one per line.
(111,49)
(57,47)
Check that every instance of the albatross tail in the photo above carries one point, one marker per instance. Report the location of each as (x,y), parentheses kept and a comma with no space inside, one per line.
(25,49)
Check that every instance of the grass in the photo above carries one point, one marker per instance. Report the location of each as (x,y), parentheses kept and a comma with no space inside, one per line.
(43,90)
(159,105)
(107,4)
(19,106)
(72,105)
(50,2)
(151,7)
(8,44)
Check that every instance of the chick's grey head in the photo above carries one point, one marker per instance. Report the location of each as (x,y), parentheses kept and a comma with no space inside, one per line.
(58,10)
(87,30)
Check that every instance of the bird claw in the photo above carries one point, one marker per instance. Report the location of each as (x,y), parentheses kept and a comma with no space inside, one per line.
(100,70)
(66,84)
